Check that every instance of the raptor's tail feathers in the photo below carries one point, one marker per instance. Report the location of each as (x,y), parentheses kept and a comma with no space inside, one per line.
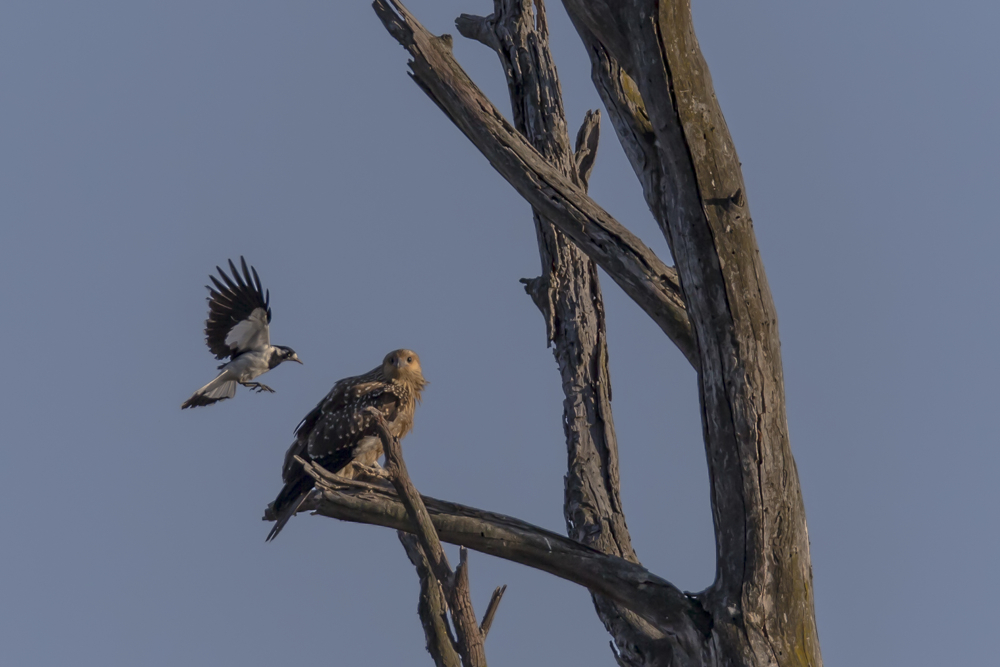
(287,503)
(217,390)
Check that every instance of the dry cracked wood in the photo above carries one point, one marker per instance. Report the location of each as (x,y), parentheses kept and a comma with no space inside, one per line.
(651,75)
(627,260)
(431,607)
(469,639)
(569,296)
(651,597)
(651,72)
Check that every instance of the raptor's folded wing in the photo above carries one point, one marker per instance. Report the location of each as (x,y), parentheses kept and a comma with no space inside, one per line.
(338,431)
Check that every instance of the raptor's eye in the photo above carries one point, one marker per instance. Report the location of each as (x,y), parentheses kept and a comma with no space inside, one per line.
(409,359)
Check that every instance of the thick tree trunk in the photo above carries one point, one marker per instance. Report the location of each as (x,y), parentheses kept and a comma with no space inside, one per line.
(762,597)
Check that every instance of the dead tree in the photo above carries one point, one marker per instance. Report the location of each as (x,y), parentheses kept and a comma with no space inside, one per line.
(715,306)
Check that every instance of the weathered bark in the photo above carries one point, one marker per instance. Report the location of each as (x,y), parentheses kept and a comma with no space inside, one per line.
(569,296)
(762,596)
(431,607)
(491,610)
(469,639)
(626,259)
(628,116)
(629,584)
(649,71)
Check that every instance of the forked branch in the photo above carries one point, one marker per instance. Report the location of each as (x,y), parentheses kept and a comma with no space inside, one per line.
(469,639)
(629,584)
(432,607)
(649,282)
(569,296)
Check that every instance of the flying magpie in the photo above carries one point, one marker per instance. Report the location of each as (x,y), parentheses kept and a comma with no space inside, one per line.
(239,312)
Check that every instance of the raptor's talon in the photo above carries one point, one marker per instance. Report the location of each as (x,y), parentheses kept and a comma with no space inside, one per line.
(376,471)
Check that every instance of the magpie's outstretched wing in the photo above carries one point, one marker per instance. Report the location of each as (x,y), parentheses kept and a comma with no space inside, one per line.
(238,313)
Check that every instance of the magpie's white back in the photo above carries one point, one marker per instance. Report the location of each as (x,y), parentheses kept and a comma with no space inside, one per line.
(239,315)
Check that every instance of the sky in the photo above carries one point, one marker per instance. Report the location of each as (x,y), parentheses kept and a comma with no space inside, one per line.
(142,144)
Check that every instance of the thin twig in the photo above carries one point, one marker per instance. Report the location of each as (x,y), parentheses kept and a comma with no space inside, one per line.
(491,609)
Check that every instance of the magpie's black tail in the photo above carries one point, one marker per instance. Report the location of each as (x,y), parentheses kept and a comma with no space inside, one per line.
(287,503)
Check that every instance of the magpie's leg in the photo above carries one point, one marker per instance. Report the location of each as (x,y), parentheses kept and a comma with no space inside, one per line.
(257,386)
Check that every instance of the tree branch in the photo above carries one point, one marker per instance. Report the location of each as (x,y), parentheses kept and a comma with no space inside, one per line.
(569,296)
(692,179)
(464,617)
(491,609)
(655,83)
(456,584)
(432,607)
(633,266)
(627,112)
(629,584)
(586,145)
(479,28)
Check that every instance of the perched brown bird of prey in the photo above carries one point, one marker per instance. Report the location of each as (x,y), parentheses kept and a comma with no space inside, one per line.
(239,312)
(339,433)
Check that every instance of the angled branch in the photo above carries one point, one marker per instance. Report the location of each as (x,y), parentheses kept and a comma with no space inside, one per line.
(631,264)
(627,112)
(432,607)
(469,639)
(464,617)
(491,609)
(586,145)
(400,478)
(479,28)
(568,294)
(651,597)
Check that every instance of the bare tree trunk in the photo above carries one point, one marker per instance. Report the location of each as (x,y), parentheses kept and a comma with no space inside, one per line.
(762,596)
(569,296)
(716,307)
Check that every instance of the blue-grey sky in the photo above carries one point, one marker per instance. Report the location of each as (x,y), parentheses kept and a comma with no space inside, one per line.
(141,144)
